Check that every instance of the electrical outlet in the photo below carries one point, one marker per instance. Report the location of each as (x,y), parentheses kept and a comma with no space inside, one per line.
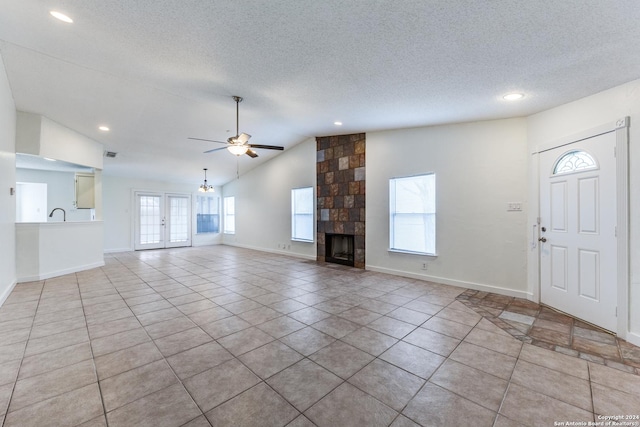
(424,266)
(288,246)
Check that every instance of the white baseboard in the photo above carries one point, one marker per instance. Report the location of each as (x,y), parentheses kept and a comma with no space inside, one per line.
(4,295)
(633,338)
(273,251)
(113,251)
(453,282)
(57,273)
(200,244)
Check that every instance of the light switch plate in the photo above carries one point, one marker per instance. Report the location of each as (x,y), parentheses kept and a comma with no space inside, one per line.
(514,206)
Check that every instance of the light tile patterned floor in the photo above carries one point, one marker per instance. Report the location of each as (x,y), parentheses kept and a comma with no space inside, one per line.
(230,337)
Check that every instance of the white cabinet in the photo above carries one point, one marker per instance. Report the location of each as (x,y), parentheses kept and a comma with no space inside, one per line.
(85,191)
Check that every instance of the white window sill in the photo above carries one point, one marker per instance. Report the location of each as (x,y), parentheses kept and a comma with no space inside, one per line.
(303,240)
(401,251)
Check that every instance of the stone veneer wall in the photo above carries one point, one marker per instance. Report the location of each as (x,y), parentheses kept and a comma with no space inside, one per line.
(340,184)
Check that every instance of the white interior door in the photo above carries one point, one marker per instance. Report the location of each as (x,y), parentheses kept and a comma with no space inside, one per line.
(162,220)
(577,229)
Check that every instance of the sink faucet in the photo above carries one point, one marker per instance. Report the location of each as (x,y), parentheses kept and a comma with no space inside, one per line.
(64,214)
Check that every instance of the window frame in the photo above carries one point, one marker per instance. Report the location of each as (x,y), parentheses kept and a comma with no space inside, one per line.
(393,212)
(225,225)
(293,215)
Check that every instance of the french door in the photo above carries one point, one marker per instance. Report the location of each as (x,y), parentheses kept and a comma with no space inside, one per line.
(162,220)
(578,255)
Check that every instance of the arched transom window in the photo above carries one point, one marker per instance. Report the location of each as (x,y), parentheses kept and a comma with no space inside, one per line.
(574,161)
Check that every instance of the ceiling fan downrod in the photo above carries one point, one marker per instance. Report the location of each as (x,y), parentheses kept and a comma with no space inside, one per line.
(238,100)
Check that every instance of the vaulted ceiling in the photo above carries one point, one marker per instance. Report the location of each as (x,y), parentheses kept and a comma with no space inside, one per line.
(159,71)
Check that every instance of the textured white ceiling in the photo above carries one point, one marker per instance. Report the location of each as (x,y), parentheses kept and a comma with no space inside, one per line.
(159,71)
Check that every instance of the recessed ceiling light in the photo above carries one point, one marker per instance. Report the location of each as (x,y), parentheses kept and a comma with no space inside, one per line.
(513,96)
(337,123)
(61,16)
(104,128)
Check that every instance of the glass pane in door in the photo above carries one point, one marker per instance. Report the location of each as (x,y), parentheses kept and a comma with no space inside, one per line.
(150,220)
(178,219)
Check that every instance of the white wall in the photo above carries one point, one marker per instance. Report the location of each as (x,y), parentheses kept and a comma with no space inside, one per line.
(584,114)
(7,181)
(118,211)
(60,192)
(263,201)
(480,167)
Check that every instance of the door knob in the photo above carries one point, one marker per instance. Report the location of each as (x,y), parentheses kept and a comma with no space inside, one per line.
(543,239)
(544,229)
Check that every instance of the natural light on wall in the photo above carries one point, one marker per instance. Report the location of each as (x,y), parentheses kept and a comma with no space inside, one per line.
(412,214)
(229,215)
(302,221)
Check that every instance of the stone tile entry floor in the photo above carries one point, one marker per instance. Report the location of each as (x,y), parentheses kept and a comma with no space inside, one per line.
(222,336)
(543,327)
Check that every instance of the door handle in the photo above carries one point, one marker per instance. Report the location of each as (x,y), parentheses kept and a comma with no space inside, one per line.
(542,239)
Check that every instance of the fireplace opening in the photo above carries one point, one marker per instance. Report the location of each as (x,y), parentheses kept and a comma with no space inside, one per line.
(339,249)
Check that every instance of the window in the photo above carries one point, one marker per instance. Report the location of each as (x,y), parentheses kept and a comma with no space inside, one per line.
(230,215)
(412,205)
(207,214)
(302,214)
(574,161)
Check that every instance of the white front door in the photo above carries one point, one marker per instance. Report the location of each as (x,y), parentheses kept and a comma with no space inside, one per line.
(578,246)
(162,220)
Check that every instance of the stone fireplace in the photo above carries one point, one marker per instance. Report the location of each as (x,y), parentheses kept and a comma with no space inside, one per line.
(340,183)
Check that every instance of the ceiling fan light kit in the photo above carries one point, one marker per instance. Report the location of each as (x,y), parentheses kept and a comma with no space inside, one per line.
(238,150)
(239,144)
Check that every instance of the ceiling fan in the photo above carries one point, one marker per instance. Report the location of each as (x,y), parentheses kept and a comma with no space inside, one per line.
(238,144)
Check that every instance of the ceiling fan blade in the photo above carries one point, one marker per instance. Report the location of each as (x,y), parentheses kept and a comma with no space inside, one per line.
(252,153)
(215,149)
(208,140)
(243,138)
(267,147)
